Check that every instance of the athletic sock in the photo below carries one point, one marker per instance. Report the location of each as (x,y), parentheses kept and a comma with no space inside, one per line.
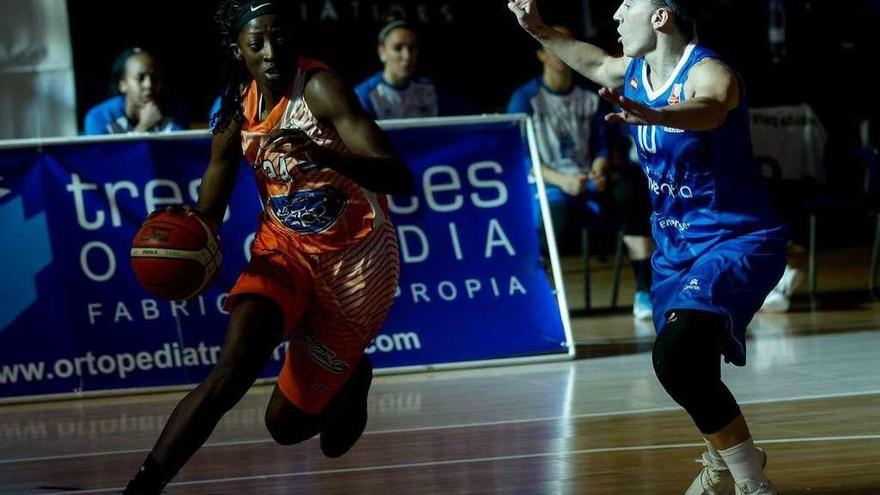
(745,462)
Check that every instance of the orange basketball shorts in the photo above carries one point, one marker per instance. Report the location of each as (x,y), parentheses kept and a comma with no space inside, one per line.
(333,305)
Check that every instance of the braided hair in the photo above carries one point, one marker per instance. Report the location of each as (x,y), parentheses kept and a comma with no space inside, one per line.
(235,74)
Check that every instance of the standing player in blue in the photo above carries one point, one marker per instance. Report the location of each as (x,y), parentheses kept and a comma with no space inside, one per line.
(720,248)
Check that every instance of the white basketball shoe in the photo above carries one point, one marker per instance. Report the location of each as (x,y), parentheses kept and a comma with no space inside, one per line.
(714,479)
(642,308)
(754,487)
(779,299)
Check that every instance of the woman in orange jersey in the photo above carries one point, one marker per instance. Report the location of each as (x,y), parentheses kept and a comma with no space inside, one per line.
(324,264)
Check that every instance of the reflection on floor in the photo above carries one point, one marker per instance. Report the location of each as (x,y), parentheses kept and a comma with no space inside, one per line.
(601,425)
(842,305)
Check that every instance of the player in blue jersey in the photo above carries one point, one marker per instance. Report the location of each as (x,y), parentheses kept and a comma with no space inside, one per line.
(720,248)
(574,143)
(396,92)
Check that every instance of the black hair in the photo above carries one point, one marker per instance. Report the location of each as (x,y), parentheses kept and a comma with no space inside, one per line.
(391,26)
(117,70)
(235,74)
(231,15)
(687,13)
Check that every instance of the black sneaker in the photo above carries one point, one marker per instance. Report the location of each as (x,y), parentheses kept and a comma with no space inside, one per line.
(149,480)
(347,425)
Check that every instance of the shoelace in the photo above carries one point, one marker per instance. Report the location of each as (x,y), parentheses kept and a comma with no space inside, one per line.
(712,470)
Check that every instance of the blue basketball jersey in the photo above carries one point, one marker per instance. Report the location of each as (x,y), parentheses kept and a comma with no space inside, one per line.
(720,245)
(704,186)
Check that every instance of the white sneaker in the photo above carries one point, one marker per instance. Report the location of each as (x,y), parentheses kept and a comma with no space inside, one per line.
(779,299)
(714,479)
(642,307)
(776,302)
(643,328)
(755,487)
(790,281)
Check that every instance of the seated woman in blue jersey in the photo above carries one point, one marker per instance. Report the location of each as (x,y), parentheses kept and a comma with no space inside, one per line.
(574,144)
(720,246)
(136,105)
(396,92)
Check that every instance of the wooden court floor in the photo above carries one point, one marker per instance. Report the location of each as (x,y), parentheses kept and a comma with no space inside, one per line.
(598,425)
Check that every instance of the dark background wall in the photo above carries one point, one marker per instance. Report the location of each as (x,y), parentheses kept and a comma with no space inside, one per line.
(476,49)
(475,46)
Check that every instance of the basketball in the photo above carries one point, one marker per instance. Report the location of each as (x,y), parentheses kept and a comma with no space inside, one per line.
(175,255)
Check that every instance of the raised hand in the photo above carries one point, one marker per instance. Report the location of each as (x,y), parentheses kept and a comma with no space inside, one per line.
(526,13)
(631,112)
(148,116)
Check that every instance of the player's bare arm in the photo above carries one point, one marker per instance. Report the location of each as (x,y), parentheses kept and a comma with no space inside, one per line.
(372,162)
(712,91)
(218,180)
(589,60)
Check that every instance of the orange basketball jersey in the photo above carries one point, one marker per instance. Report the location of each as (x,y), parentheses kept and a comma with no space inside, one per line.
(314,208)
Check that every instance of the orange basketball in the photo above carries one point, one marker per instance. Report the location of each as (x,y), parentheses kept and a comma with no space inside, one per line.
(175,255)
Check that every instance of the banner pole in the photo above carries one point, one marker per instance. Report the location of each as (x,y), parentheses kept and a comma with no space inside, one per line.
(549,234)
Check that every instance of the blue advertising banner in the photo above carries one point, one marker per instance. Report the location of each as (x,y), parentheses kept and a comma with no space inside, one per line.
(74,319)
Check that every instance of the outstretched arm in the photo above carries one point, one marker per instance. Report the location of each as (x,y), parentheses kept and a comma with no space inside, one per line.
(712,90)
(591,61)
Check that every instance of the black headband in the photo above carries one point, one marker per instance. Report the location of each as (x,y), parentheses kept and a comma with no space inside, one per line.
(252,9)
(391,26)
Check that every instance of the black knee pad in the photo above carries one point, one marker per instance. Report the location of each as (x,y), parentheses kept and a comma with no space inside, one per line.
(687,361)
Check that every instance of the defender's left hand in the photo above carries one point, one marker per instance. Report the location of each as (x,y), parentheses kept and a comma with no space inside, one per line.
(632,113)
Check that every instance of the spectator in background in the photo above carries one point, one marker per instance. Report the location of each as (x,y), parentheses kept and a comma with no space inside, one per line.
(136,105)
(575,144)
(396,92)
